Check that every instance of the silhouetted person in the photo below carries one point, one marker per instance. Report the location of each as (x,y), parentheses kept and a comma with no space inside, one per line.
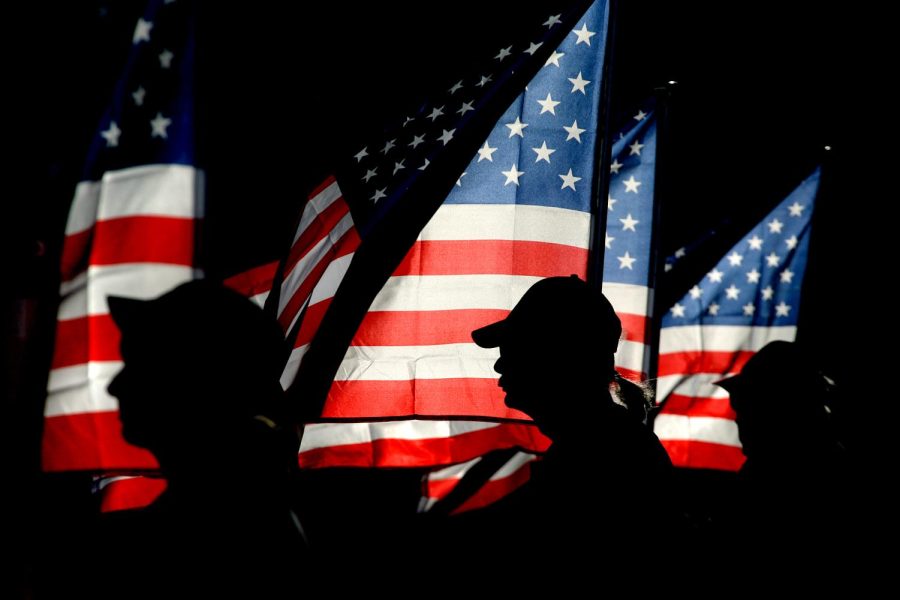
(601,488)
(796,494)
(200,390)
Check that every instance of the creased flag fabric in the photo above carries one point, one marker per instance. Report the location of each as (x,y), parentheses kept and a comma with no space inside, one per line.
(628,260)
(750,298)
(512,475)
(131,231)
(412,388)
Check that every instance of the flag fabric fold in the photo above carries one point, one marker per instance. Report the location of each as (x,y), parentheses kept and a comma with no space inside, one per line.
(131,231)
(409,387)
(750,298)
(627,282)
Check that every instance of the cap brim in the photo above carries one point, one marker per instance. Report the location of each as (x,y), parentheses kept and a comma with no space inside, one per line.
(125,312)
(491,335)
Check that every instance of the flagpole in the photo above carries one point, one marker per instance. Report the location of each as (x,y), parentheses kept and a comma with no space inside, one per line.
(656,309)
(602,150)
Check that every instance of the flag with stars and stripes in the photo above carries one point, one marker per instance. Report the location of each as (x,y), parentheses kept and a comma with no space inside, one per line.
(131,231)
(627,282)
(399,381)
(629,267)
(750,298)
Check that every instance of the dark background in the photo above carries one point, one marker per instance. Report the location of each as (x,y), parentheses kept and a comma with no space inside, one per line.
(286,88)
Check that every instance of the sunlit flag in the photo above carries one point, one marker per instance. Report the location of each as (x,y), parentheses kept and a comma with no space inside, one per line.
(412,389)
(750,298)
(130,232)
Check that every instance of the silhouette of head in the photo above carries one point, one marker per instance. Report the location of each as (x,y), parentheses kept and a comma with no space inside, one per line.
(200,361)
(555,344)
(779,399)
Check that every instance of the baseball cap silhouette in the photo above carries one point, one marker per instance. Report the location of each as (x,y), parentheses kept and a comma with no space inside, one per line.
(557,310)
(777,363)
(202,323)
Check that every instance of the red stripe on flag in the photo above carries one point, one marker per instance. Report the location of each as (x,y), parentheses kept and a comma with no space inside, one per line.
(318,229)
(168,240)
(677,404)
(90,441)
(75,253)
(634,327)
(439,488)
(346,245)
(132,492)
(393,452)
(311,320)
(631,375)
(423,328)
(253,281)
(91,338)
(704,455)
(702,361)
(509,257)
(496,489)
(458,397)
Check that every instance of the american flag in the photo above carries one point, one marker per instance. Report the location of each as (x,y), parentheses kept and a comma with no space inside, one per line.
(629,262)
(750,298)
(412,389)
(627,276)
(131,231)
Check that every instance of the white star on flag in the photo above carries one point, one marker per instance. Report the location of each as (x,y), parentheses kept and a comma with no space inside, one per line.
(512,176)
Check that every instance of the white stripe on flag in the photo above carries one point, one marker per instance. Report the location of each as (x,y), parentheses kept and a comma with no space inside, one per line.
(449,292)
(324,290)
(627,298)
(293,365)
(697,429)
(721,338)
(518,222)
(134,280)
(149,190)
(404,363)
(699,385)
(630,355)
(453,471)
(315,206)
(324,435)
(81,389)
(294,280)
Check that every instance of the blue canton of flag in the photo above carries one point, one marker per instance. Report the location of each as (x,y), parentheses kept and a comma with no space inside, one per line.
(150,119)
(131,231)
(750,298)
(541,152)
(628,263)
(629,218)
(758,282)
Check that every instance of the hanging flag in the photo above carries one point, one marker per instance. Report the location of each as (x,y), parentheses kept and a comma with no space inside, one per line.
(750,298)
(131,231)
(412,389)
(629,267)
